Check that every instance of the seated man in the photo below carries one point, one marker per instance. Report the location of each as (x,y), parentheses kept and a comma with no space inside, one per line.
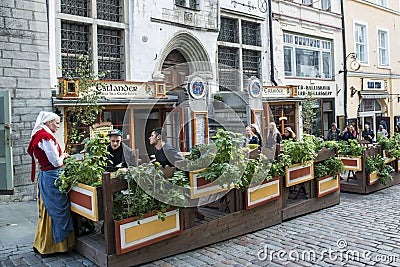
(120,154)
(165,154)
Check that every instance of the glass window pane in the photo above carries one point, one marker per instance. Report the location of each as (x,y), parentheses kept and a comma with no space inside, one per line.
(307,63)
(288,58)
(326,65)
(229,30)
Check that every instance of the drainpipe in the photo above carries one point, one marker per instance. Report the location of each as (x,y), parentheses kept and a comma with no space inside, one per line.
(344,60)
(271,43)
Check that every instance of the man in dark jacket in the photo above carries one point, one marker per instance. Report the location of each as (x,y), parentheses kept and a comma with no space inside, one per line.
(120,154)
(333,133)
(165,153)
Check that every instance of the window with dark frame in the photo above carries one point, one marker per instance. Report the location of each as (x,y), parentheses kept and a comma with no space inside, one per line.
(75,7)
(251,33)
(229,31)
(74,42)
(110,10)
(110,53)
(228,66)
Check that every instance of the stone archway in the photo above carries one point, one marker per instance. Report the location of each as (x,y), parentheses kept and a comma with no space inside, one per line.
(184,49)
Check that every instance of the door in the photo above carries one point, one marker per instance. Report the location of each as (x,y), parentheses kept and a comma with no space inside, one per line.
(6,174)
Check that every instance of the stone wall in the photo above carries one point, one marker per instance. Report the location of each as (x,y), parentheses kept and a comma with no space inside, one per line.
(24,71)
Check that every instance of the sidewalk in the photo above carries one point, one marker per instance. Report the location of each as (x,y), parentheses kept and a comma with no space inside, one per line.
(366,226)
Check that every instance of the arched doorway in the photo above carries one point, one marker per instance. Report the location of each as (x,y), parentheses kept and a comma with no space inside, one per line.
(175,70)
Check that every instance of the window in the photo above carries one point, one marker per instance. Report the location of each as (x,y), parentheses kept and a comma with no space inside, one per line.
(79,36)
(382,3)
(192,4)
(110,10)
(251,33)
(75,7)
(229,30)
(283,116)
(109,43)
(360,40)
(307,2)
(383,51)
(326,5)
(307,57)
(236,33)
(74,42)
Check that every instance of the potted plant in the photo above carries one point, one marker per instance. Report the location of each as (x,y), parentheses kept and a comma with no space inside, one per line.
(82,179)
(350,153)
(377,170)
(218,104)
(327,173)
(148,211)
(261,181)
(298,159)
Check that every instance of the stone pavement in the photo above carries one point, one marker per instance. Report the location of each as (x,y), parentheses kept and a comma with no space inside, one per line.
(364,230)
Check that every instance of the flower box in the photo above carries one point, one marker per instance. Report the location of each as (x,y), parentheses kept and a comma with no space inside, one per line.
(299,173)
(351,163)
(131,233)
(87,201)
(373,178)
(328,184)
(267,191)
(200,187)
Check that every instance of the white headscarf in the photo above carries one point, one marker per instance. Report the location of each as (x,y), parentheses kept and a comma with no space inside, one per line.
(42,118)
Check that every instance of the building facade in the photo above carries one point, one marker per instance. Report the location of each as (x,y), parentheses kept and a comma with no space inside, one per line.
(308,54)
(373,84)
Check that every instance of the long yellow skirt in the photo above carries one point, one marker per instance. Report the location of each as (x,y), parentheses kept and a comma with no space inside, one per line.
(44,241)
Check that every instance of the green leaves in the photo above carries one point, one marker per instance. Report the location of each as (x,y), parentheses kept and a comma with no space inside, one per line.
(299,151)
(350,148)
(377,163)
(331,166)
(88,171)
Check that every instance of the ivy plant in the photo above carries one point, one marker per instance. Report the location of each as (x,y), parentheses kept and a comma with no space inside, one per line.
(86,110)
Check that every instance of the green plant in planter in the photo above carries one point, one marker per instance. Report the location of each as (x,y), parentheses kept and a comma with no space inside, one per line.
(88,171)
(201,156)
(331,167)
(320,144)
(255,172)
(228,164)
(350,148)
(377,163)
(390,145)
(144,182)
(300,151)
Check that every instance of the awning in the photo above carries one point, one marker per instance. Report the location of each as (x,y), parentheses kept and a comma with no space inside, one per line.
(374,95)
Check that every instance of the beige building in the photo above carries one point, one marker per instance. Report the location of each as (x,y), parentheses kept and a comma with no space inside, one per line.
(373,78)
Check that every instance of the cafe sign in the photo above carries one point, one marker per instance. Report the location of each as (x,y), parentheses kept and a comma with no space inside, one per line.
(275,91)
(318,91)
(369,84)
(111,89)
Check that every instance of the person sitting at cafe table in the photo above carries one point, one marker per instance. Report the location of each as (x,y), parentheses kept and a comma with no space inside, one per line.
(121,155)
(368,134)
(165,153)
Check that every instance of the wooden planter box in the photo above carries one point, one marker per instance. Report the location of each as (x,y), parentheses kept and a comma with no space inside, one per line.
(200,187)
(398,165)
(131,233)
(263,193)
(352,163)
(373,178)
(299,173)
(87,201)
(328,184)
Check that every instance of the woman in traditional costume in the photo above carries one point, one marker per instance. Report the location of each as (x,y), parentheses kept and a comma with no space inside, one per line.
(55,231)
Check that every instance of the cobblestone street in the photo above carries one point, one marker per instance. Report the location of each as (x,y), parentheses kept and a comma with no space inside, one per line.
(362,231)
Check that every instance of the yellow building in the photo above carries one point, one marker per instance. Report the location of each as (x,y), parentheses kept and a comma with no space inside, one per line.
(373,77)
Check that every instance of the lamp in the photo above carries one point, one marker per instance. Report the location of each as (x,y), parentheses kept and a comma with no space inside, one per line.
(353,91)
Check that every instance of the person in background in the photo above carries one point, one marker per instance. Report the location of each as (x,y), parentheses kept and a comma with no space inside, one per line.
(256,131)
(353,131)
(165,153)
(121,155)
(273,135)
(382,131)
(367,134)
(289,134)
(347,134)
(251,138)
(333,133)
(397,128)
(55,230)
